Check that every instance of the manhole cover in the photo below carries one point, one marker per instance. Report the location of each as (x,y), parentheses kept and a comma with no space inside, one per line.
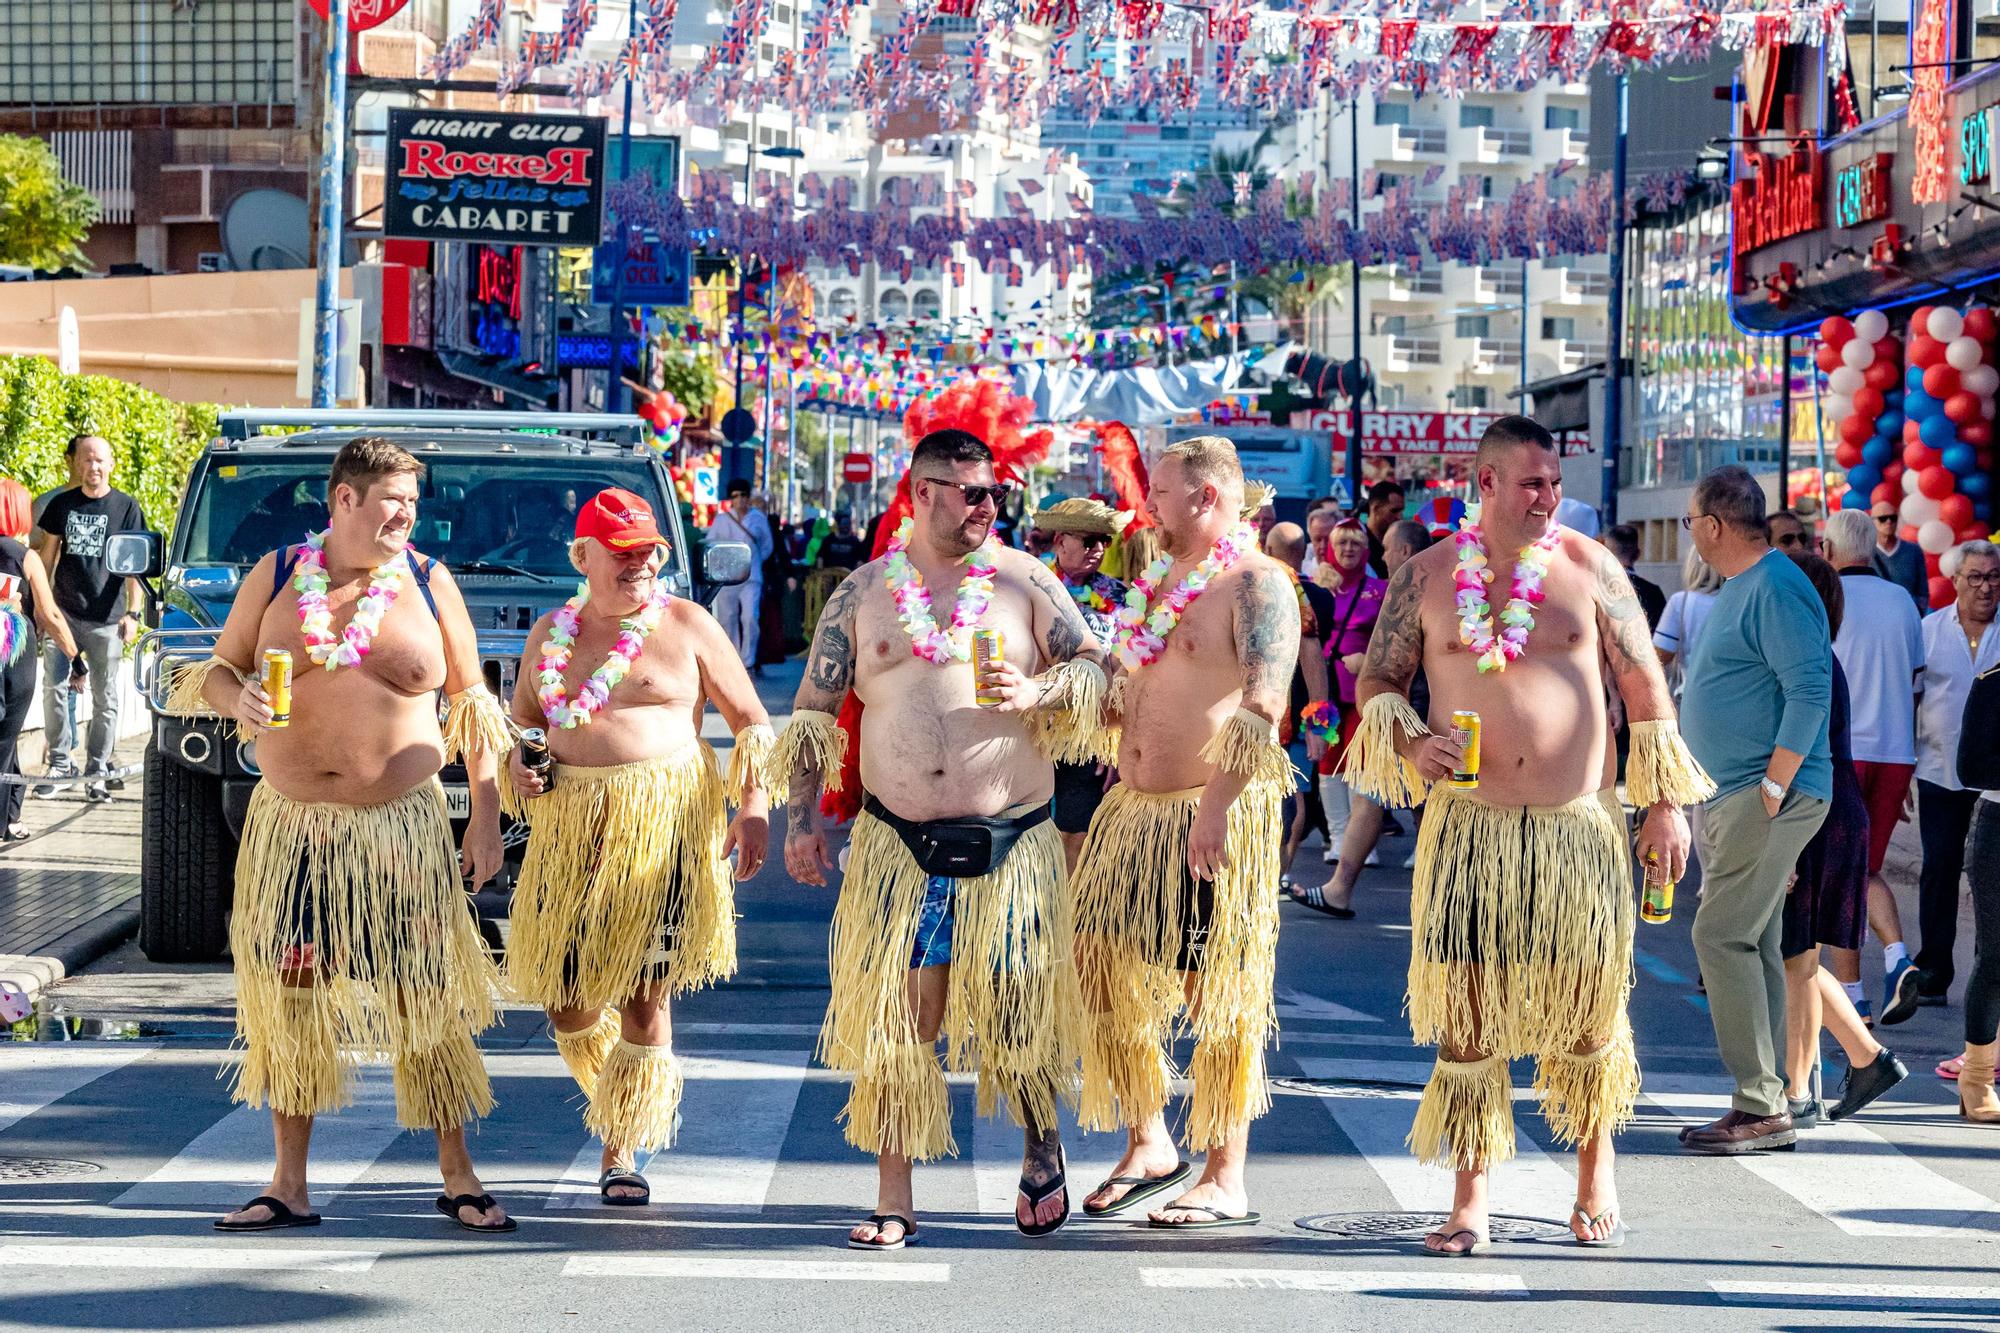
(44,1168)
(1415,1226)
(1348,1087)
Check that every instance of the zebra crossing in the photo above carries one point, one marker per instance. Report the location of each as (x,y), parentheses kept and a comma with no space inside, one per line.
(755,1116)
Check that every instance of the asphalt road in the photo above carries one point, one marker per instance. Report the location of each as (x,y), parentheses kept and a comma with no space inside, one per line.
(1889,1221)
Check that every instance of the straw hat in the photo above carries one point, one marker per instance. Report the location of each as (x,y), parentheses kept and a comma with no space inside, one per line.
(1079,514)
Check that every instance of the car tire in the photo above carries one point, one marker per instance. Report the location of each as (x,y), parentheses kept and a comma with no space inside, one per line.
(187,864)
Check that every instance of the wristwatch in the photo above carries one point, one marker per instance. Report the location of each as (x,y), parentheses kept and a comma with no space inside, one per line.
(1773,790)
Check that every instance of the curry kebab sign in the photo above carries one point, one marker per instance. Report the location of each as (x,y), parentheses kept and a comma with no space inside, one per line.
(493,177)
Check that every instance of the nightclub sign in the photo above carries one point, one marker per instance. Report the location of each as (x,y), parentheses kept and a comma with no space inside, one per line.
(494,177)
(1861,191)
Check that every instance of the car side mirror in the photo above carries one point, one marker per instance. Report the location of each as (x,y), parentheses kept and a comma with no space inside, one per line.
(135,555)
(725,563)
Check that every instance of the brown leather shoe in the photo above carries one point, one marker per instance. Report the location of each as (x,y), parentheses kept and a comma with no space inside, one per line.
(1740,1132)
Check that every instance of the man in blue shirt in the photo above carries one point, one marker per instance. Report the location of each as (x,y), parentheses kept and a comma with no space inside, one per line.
(1759,690)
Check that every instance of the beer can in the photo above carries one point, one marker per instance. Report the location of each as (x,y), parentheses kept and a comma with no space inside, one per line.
(535,755)
(1656,902)
(277,684)
(987,647)
(1465,734)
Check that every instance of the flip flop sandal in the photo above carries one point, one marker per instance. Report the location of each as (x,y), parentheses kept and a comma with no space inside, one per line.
(281,1217)
(1314,896)
(1480,1244)
(450,1204)
(1035,1194)
(624,1175)
(1143,1188)
(1616,1240)
(877,1220)
(1948,1069)
(1216,1218)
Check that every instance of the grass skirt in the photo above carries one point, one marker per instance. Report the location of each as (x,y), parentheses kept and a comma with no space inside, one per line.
(1522,924)
(1011,1007)
(623,884)
(363,904)
(1134,907)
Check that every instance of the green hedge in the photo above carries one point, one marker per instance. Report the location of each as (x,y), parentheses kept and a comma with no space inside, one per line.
(154,439)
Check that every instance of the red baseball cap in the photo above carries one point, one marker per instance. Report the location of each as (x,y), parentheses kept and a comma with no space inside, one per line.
(619,519)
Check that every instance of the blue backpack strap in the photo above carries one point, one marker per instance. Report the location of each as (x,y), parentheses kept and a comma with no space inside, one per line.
(423,573)
(288,559)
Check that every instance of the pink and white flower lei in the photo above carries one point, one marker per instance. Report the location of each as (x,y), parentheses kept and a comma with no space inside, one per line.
(316,619)
(1140,637)
(913,599)
(561,646)
(1493,651)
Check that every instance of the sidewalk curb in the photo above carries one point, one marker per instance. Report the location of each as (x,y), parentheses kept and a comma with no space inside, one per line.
(72,951)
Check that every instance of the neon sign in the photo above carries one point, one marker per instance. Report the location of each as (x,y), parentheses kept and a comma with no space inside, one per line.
(1861,191)
(1975,148)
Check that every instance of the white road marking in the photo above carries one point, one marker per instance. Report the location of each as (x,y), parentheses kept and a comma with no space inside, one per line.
(264,1258)
(1849,1295)
(1847,1173)
(1534,1183)
(1297,1004)
(34,1077)
(230,1161)
(746,1029)
(1320,1279)
(735,1116)
(879,1269)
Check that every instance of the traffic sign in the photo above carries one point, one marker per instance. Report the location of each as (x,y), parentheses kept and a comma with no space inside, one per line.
(361,14)
(738,425)
(857,469)
(1343,494)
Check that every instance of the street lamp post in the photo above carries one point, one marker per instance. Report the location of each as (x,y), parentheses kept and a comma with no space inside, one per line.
(750,152)
(332,174)
(614,388)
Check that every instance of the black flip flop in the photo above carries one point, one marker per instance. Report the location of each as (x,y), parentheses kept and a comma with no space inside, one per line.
(1034,1194)
(909,1236)
(281,1217)
(449,1206)
(623,1175)
(1143,1188)
(1314,896)
(1216,1218)
(1614,1241)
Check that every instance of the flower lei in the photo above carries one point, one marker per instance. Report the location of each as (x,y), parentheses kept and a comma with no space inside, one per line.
(1141,637)
(1088,595)
(561,645)
(316,619)
(913,599)
(1493,651)
(1321,719)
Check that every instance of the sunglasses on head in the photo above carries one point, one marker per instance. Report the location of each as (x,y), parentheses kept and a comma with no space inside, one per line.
(976,495)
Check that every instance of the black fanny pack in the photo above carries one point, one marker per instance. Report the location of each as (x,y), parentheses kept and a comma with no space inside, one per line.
(957,848)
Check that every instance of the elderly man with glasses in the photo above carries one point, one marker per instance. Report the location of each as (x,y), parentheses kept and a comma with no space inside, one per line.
(1080,531)
(1898,561)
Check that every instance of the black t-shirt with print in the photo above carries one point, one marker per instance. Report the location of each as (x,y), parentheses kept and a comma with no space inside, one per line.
(85,590)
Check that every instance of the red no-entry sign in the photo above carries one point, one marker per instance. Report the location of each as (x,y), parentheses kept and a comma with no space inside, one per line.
(857,469)
(363,14)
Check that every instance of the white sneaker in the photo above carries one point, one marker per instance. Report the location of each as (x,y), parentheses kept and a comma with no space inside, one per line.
(1330,856)
(1373,860)
(1410,861)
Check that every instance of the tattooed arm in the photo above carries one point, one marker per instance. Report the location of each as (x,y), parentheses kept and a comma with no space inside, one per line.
(1267,650)
(829,674)
(1061,637)
(1629,656)
(1396,648)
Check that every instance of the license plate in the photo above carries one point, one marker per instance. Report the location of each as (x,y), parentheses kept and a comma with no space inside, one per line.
(458,802)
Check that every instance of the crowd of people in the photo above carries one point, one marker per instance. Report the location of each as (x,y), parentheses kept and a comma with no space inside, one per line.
(1078,794)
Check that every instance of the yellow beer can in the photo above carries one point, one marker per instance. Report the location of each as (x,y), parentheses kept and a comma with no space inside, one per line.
(988,646)
(1465,734)
(277,684)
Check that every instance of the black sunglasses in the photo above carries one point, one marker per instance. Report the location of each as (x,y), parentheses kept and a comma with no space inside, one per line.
(976,495)
(1885,518)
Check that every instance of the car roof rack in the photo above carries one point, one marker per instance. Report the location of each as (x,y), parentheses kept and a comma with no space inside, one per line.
(615,428)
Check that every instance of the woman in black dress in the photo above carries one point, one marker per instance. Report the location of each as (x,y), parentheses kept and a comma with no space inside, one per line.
(1828,905)
(25,601)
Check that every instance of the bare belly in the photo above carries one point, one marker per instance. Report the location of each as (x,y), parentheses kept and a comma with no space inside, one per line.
(927,752)
(1544,738)
(352,740)
(1173,708)
(629,734)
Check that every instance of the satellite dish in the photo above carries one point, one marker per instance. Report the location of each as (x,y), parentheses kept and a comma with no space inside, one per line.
(266,229)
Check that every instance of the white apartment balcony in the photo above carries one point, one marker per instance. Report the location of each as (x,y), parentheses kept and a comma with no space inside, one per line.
(1496,284)
(1574,354)
(1495,356)
(1409,353)
(1564,145)
(1405,284)
(1407,143)
(1580,287)
(1491,144)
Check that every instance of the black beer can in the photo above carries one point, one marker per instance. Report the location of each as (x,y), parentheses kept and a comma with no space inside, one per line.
(535,756)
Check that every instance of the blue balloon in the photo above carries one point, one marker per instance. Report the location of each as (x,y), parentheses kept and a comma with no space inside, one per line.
(1983,510)
(1960,459)
(1894,398)
(1890,425)
(1864,478)
(1913,378)
(1938,431)
(1920,406)
(1974,485)
(1877,453)
(1857,496)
